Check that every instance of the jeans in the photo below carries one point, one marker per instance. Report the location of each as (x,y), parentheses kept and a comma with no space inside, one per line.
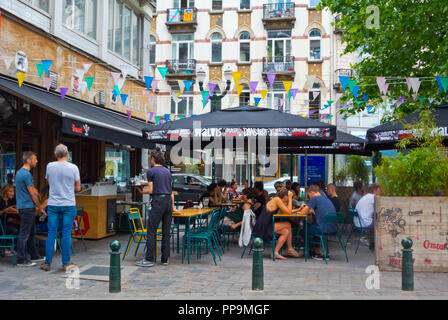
(26,236)
(55,215)
(161,210)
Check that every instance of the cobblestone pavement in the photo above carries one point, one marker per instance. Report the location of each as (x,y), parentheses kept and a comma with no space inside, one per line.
(230,279)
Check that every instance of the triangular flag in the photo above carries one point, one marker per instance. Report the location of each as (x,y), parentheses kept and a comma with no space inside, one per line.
(178,93)
(253,86)
(263,93)
(381,81)
(40,69)
(124,97)
(366,97)
(86,66)
(351,85)
(222,86)
(257,101)
(154,85)
(415,96)
(116,77)
(330,102)
(162,71)
(344,81)
(415,84)
(287,85)
(239,89)
(47,65)
(315,95)
(148,81)
(151,114)
(157,119)
(181,117)
(422,99)
(181,85)
(47,81)
(89,81)
(439,82)
(359,102)
(271,78)
(293,92)
(204,95)
(325,107)
(444,82)
(236,77)
(80,73)
(408,82)
(330,116)
(63,92)
(21,78)
(116,91)
(211,88)
(355,91)
(385,88)
(188,84)
(167,117)
(313,111)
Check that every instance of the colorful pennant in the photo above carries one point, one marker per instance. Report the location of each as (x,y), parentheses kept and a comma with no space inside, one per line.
(271,78)
(239,89)
(257,101)
(188,85)
(211,88)
(47,81)
(263,93)
(89,81)
(236,77)
(40,69)
(47,65)
(148,82)
(344,81)
(162,71)
(129,113)
(124,97)
(21,78)
(63,92)
(253,86)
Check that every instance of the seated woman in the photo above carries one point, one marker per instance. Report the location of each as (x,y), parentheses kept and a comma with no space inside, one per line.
(263,226)
(234,219)
(215,195)
(42,224)
(8,208)
(233,193)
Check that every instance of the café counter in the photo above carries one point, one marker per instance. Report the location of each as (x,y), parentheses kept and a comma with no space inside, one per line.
(99,202)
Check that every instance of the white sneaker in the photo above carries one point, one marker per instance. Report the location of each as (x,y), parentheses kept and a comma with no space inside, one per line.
(27,264)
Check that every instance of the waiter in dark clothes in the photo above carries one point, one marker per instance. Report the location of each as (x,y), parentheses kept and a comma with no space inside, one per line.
(160,186)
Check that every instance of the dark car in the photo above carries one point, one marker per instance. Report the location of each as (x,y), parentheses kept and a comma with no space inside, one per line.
(190,186)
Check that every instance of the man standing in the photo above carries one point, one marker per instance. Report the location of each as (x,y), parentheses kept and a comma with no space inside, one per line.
(366,209)
(27,198)
(162,204)
(64,180)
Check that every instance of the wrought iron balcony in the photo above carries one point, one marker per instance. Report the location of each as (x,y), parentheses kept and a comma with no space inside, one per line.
(342,72)
(278,64)
(186,67)
(279,10)
(336,21)
(182,19)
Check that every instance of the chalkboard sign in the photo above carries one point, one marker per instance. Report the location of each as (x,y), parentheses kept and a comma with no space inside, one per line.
(111,213)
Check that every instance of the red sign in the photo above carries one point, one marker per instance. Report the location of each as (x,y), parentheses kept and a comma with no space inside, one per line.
(76,130)
(433,246)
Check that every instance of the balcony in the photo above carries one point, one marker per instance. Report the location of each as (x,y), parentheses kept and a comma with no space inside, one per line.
(336,21)
(279,15)
(342,72)
(282,66)
(181,20)
(180,70)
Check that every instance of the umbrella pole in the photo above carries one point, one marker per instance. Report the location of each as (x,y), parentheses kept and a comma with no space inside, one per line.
(291,166)
(213,165)
(306,169)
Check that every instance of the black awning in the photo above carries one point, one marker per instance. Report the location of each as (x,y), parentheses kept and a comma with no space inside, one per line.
(78,116)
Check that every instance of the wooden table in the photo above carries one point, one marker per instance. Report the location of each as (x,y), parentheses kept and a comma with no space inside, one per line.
(300,215)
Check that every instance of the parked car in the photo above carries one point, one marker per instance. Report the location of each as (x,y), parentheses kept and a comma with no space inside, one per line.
(190,191)
(269,186)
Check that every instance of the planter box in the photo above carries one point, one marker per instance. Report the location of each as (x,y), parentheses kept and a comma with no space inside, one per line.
(422,219)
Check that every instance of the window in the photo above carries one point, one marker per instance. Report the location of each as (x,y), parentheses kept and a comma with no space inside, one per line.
(314,102)
(81,15)
(124,31)
(118,167)
(182,47)
(275,99)
(279,51)
(216,47)
(184,107)
(41,4)
(183,4)
(216,4)
(245,96)
(314,3)
(152,50)
(244,42)
(315,37)
(244,4)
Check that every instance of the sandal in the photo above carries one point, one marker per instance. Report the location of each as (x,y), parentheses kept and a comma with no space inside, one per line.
(293,253)
(279,256)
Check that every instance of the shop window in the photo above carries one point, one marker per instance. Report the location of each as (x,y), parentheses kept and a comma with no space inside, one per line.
(118,168)
(81,15)
(7,164)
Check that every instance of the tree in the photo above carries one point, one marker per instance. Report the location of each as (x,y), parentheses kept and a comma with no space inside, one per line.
(357,169)
(411,41)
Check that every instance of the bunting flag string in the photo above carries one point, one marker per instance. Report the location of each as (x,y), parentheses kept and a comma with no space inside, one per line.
(46,64)
(263,93)
(239,89)
(253,86)
(236,77)
(211,88)
(89,81)
(344,81)
(129,113)
(40,69)
(47,81)
(148,82)
(124,97)
(257,101)
(271,78)
(162,71)
(21,78)
(188,85)
(181,85)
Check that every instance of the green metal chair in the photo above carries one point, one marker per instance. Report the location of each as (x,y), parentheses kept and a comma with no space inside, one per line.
(353,214)
(330,217)
(138,232)
(203,237)
(77,226)
(7,242)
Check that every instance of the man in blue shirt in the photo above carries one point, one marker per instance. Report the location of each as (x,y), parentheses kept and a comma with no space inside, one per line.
(27,200)
(160,186)
(319,206)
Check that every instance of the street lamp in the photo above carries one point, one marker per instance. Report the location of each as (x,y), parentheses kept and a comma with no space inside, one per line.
(215,98)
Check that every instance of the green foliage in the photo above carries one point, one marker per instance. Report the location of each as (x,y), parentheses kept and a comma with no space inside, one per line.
(341,175)
(412,41)
(357,169)
(423,171)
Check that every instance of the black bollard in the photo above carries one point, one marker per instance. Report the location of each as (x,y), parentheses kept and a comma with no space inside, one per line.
(115,268)
(407,266)
(257,265)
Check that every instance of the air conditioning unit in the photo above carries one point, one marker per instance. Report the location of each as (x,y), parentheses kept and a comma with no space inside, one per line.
(101,98)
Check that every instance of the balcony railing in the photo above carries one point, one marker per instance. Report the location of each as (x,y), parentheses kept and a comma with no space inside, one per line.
(344,73)
(337,18)
(278,64)
(279,10)
(181,15)
(181,66)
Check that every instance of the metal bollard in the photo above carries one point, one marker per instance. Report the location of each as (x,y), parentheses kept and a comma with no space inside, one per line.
(257,265)
(407,266)
(115,268)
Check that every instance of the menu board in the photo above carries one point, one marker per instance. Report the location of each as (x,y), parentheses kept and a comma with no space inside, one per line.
(316,169)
